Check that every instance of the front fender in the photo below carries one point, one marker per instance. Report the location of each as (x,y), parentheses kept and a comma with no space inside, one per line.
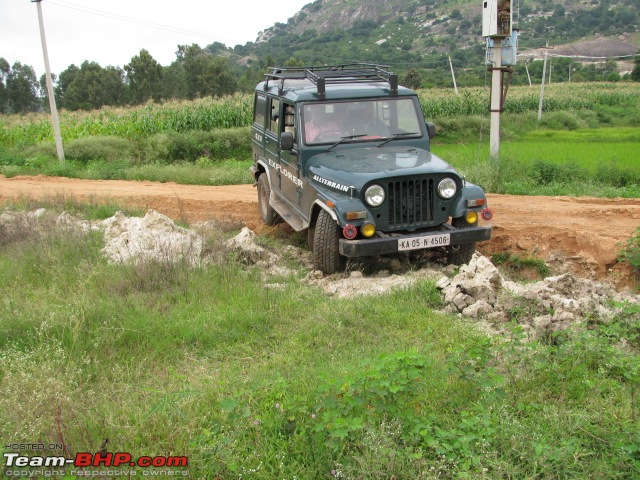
(469,192)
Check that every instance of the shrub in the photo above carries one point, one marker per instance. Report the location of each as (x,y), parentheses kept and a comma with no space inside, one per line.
(460,128)
(219,144)
(616,176)
(562,120)
(631,252)
(98,148)
(544,172)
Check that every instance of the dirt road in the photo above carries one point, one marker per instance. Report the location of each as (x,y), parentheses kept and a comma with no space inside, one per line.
(580,234)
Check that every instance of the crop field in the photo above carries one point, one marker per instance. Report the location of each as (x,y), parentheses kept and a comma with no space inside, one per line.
(134,122)
(235,111)
(587,138)
(438,103)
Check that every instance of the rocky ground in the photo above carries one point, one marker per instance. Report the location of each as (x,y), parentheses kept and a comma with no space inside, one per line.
(478,291)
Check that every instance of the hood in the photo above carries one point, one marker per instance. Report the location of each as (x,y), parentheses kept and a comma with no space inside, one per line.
(356,167)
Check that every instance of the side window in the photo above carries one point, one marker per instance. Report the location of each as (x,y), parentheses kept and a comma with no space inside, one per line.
(259,107)
(274,115)
(290,119)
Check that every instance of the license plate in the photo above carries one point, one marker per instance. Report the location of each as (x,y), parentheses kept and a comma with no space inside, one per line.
(427,241)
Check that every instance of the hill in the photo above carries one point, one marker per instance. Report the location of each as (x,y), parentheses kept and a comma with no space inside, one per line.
(424,33)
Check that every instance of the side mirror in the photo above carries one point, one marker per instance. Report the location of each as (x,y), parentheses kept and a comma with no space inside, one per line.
(286,141)
(431,130)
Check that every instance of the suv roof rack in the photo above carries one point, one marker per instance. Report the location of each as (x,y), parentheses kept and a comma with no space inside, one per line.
(320,76)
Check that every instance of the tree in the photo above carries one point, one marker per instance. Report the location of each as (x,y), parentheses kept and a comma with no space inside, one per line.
(635,73)
(64,80)
(4,73)
(45,91)
(174,81)
(205,74)
(22,89)
(144,78)
(294,62)
(217,78)
(92,87)
(194,60)
(114,86)
(412,79)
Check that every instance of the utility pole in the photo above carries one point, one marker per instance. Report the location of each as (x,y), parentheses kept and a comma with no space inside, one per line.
(453,75)
(496,27)
(544,74)
(52,99)
(496,99)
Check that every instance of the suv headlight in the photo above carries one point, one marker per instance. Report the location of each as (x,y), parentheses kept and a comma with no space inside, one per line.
(374,195)
(447,188)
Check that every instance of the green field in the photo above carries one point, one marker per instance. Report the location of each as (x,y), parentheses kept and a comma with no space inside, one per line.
(586,142)
(263,379)
(598,162)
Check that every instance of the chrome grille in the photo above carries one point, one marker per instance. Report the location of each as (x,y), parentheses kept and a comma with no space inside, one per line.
(410,203)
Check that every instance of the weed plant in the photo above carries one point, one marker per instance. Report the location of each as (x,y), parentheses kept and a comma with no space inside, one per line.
(253,381)
(630,252)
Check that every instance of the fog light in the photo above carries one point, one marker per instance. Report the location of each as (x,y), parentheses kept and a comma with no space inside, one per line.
(368,230)
(487,214)
(349,232)
(471,217)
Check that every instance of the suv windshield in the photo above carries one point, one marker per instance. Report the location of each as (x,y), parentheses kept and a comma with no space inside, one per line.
(362,120)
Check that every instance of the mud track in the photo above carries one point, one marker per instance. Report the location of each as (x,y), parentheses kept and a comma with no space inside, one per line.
(578,234)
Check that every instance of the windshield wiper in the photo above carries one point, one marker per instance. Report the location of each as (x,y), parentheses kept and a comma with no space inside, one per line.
(397,135)
(348,137)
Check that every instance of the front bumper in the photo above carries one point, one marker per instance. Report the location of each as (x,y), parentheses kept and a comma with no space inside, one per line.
(389,244)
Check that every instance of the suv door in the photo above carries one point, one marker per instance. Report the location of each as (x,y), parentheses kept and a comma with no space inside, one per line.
(271,142)
(259,117)
(291,185)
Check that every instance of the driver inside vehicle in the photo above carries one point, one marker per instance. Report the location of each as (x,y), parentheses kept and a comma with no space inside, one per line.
(361,119)
(318,126)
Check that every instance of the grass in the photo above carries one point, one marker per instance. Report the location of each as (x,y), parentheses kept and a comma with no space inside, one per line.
(537,162)
(252,381)
(601,162)
(222,172)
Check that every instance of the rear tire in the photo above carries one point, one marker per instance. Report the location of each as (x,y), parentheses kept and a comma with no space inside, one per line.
(460,254)
(268,214)
(326,248)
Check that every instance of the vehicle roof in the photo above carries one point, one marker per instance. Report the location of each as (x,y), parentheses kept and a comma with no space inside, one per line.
(302,90)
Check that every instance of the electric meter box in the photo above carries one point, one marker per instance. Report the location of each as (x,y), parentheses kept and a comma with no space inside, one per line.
(496,18)
(509,50)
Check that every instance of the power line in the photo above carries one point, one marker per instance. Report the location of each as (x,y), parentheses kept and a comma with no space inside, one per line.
(136,21)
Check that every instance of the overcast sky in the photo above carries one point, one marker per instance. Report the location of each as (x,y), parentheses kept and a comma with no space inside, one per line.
(114,31)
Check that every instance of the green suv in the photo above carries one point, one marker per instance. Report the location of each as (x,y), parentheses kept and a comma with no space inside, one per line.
(343,153)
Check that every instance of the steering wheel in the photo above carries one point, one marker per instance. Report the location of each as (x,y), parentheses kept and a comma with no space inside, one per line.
(329,134)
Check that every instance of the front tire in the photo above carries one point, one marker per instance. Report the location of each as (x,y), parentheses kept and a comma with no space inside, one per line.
(460,254)
(326,247)
(268,214)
